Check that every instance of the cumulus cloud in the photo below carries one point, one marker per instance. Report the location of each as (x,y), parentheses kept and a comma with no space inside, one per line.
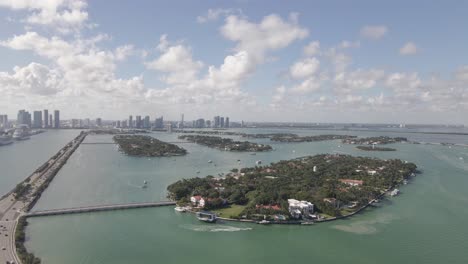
(177,62)
(312,49)
(304,68)
(63,15)
(409,49)
(374,32)
(347,82)
(215,14)
(272,33)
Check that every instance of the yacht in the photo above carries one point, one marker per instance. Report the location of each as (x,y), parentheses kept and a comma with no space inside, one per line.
(21,132)
(207,217)
(181,209)
(5,140)
(395,192)
(258,162)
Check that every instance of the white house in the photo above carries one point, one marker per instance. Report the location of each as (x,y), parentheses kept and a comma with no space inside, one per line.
(198,201)
(300,208)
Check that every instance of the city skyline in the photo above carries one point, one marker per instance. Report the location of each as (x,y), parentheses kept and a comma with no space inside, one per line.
(280,62)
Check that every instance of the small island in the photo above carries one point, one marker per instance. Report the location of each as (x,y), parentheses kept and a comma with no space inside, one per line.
(296,138)
(226,143)
(374,148)
(382,140)
(314,188)
(146,146)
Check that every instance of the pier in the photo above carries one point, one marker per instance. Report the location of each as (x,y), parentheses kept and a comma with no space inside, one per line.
(98,208)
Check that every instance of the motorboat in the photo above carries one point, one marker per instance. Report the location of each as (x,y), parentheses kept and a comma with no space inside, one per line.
(180,209)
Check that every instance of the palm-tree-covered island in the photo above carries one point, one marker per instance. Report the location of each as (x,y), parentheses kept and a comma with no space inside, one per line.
(226,143)
(374,148)
(146,146)
(313,188)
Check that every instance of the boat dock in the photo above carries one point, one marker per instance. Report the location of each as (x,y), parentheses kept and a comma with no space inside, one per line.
(98,208)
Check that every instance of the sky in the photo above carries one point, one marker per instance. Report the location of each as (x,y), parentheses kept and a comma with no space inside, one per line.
(284,61)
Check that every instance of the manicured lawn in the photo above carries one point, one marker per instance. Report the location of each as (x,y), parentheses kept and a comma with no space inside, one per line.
(233,210)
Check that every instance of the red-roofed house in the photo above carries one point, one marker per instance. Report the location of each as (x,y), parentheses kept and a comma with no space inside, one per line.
(352,182)
(198,201)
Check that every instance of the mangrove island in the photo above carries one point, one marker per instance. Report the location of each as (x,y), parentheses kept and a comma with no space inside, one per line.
(136,145)
(226,143)
(374,148)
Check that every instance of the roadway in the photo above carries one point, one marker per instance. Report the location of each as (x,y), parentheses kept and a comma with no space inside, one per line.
(11,209)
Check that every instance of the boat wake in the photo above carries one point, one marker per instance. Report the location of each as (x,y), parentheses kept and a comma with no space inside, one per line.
(366,227)
(214,228)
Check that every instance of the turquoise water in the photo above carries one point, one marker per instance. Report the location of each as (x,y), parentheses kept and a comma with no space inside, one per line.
(20,159)
(425,224)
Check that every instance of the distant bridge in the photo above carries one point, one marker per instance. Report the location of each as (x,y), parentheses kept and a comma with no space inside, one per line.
(98,208)
(113,143)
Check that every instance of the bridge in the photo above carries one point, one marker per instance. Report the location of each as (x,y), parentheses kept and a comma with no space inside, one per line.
(98,208)
(113,143)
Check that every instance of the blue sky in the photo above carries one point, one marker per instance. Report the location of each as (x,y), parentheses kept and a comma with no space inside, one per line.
(398,61)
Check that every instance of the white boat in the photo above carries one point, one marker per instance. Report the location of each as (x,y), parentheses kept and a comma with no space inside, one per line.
(180,209)
(395,192)
(258,162)
(5,140)
(264,222)
(21,132)
(210,161)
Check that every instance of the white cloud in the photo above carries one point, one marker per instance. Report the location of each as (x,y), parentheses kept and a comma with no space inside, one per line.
(309,85)
(271,33)
(304,68)
(312,49)
(409,49)
(122,52)
(63,15)
(34,79)
(215,14)
(347,82)
(177,62)
(345,44)
(374,32)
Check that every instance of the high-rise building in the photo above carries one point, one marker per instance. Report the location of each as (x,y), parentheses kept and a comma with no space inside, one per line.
(4,121)
(181,123)
(199,123)
(56,119)
(146,122)
(226,124)
(221,122)
(138,121)
(50,120)
(216,121)
(24,118)
(98,122)
(207,123)
(130,121)
(158,122)
(37,119)
(46,118)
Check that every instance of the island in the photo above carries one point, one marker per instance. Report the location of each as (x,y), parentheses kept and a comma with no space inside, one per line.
(313,188)
(382,140)
(226,143)
(296,138)
(146,146)
(374,148)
